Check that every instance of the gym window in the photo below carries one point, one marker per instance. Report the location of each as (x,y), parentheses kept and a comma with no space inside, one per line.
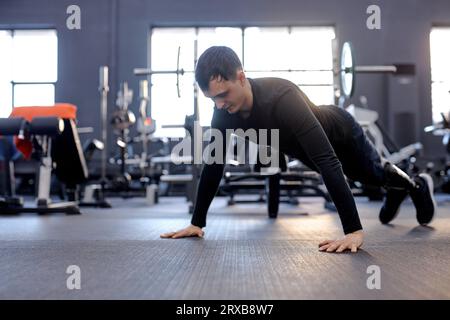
(303,55)
(440,75)
(28,64)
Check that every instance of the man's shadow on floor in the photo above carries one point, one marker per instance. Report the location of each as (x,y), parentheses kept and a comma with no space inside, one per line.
(421,231)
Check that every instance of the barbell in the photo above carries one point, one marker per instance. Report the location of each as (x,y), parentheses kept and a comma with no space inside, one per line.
(149,72)
(347,70)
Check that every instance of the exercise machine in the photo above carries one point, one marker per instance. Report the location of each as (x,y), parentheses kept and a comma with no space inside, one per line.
(386,147)
(93,194)
(442,174)
(55,143)
(191,178)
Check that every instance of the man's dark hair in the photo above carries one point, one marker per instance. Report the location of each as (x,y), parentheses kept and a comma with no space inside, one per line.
(217,61)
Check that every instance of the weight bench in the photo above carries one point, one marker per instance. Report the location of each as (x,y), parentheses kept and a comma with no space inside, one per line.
(273,184)
(55,142)
(272,181)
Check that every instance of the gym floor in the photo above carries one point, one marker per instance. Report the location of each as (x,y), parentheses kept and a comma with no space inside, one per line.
(109,98)
(244,254)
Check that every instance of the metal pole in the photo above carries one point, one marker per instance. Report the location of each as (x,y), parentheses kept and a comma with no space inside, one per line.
(376,69)
(104,88)
(147,71)
(143,96)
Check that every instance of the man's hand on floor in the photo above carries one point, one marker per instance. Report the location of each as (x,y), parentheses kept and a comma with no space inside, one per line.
(190,231)
(351,241)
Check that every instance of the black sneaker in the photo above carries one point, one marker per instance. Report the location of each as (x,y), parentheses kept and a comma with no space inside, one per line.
(423,198)
(392,202)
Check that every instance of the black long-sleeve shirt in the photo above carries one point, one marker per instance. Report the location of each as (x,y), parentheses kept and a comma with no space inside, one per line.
(306,132)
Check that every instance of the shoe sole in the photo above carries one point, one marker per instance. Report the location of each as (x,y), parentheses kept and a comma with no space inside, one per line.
(430,184)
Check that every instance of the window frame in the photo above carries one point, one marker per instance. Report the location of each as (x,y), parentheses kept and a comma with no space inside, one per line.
(13,83)
(334,64)
(445,82)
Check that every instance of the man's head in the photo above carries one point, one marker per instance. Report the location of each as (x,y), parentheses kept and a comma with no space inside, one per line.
(220,76)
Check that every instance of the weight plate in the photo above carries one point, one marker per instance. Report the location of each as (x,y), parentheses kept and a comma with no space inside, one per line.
(347,70)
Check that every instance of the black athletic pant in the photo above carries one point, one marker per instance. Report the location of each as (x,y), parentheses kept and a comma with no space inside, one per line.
(359,158)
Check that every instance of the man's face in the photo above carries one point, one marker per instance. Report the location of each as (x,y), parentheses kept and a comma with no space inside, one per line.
(227,94)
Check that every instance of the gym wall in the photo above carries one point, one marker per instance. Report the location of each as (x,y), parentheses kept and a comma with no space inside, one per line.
(115,33)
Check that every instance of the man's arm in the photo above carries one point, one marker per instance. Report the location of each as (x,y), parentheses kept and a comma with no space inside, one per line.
(206,190)
(295,115)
